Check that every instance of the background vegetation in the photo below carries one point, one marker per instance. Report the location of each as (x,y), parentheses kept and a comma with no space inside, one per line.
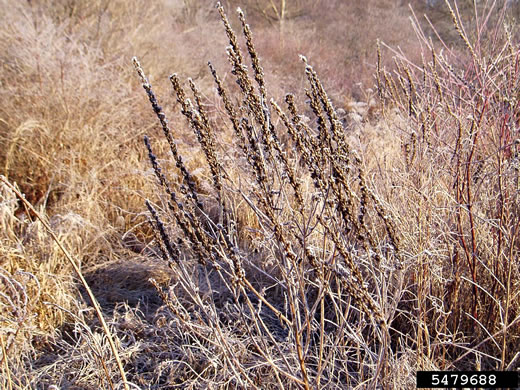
(391,250)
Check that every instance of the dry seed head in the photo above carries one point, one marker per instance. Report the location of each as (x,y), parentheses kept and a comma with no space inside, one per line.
(159,241)
(162,231)
(230,33)
(200,108)
(259,74)
(462,34)
(167,133)
(181,95)
(155,165)
(139,70)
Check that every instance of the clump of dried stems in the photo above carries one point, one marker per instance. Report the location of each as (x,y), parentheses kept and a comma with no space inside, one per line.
(301,293)
(461,159)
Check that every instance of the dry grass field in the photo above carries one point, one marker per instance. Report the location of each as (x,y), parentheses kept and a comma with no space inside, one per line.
(264,194)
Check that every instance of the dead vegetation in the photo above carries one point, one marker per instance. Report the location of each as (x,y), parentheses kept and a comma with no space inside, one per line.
(288,227)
